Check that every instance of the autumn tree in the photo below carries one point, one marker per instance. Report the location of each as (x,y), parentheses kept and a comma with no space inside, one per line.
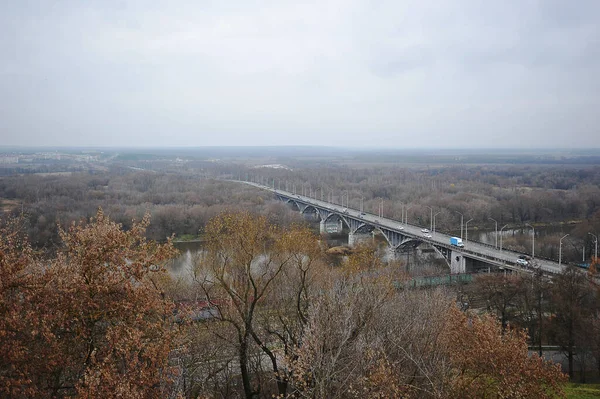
(572,299)
(91,322)
(18,318)
(415,345)
(329,357)
(257,275)
(501,293)
(489,362)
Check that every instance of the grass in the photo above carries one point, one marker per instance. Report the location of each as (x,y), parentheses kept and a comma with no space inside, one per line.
(582,391)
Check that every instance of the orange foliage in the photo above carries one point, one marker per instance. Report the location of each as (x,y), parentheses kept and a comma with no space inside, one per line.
(489,363)
(92,322)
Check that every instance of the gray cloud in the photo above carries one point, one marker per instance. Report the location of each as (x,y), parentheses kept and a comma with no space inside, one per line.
(360,73)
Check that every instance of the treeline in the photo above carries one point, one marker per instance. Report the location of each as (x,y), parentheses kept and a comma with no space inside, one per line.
(179,204)
(510,194)
(97,321)
(183,199)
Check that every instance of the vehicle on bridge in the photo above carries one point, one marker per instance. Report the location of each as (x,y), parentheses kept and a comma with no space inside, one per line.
(457,242)
(425,231)
(522,262)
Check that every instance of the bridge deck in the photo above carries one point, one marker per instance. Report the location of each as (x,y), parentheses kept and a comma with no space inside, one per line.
(475,250)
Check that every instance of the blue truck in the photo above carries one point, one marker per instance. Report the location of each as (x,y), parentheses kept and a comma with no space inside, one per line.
(457,242)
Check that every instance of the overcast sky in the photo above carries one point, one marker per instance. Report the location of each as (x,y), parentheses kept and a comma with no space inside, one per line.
(490,73)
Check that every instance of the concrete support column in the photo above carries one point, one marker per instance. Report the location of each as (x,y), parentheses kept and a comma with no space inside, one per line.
(457,263)
(322,228)
(390,254)
(355,238)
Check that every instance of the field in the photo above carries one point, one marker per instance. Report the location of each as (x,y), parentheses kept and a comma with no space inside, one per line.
(582,391)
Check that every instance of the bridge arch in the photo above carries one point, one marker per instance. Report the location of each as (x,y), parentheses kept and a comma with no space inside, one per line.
(294,203)
(341,217)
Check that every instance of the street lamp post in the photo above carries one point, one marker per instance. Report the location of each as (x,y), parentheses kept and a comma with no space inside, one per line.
(345,193)
(560,250)
(461,223)
(430,217)
(361,203)
(467,230)
(596,246)
(496,234)
(406,214)
(503,227)
(433,231)
(533,241)
(380,207)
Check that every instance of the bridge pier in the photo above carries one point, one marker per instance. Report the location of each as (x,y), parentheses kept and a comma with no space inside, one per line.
(355,238)
(457,263)
(391,255)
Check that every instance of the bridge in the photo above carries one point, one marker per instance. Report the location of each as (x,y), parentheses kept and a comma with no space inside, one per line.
(400,236)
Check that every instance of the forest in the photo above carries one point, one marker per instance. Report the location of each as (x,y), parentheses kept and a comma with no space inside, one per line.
(181,200)
(90,305)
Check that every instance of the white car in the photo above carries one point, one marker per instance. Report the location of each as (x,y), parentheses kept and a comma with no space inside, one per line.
(424,231)
(427,235)
(522,262)
(400,227)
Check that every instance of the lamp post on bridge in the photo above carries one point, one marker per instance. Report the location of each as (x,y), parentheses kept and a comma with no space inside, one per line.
(560,250)
(433,231)
(506,225)
(461,223)
(406,213)
(533,241)
(496,234)
(467,230)
(304,193)
(345,192)
(361,203)
(596,247)
(430,217)
(315,192)
(380,208)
